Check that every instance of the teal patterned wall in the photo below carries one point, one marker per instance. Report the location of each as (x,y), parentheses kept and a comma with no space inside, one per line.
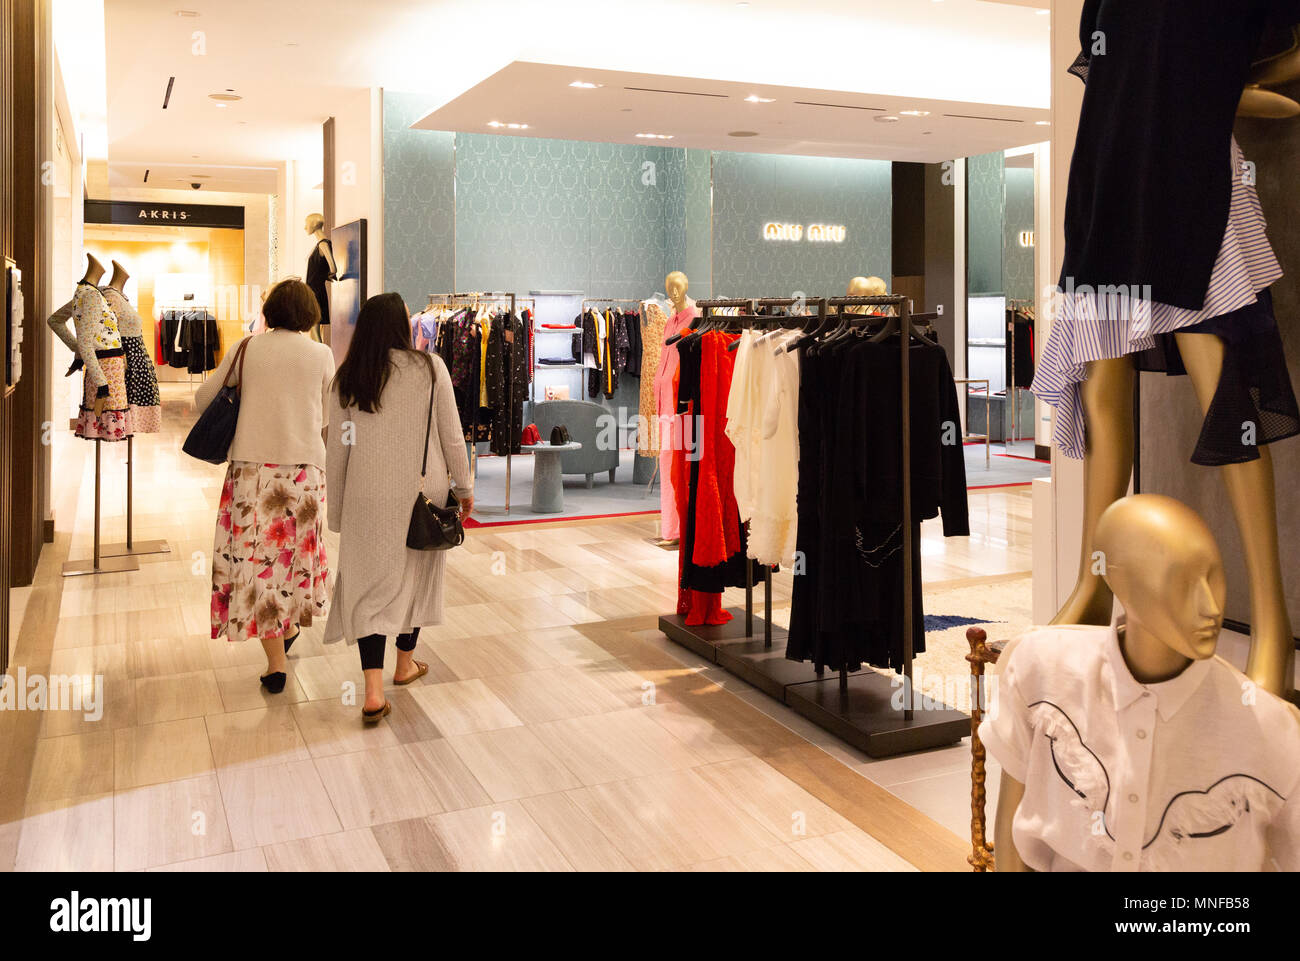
(1018,261)
(985,202)
(560,214)
(480,211)
(750,190)
(419,203)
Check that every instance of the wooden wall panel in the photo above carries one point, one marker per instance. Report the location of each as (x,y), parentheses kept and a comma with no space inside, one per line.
(6,250)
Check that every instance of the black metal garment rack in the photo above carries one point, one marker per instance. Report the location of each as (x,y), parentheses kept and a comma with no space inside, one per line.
(860,707)
(475,298)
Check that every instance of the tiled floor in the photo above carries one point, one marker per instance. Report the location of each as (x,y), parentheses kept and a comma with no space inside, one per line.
(557,728)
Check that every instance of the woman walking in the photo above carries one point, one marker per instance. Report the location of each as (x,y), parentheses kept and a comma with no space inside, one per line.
(381,411)
(269,573)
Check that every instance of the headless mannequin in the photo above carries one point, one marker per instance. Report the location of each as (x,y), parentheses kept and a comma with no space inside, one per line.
(315,225)
(119,278)
(58,321)
(1164,566)
(1276,71)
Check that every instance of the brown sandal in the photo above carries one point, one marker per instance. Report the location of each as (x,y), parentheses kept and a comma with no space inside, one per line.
(377,716)
(421,670)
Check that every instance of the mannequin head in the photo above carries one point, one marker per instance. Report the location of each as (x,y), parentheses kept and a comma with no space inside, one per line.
(119,278)
(1164,566)
(676,285)
(867,287)
(314,223)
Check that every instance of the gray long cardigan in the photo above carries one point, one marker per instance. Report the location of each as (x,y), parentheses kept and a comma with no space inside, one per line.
(382,586)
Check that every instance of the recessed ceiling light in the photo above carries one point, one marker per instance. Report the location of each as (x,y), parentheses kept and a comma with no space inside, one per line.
(187,13)
(915,113)
(655,136)
(742,133)
(1042,123)
(885,118)
(1042,13)
(508,126)
(586,85)
(755,98)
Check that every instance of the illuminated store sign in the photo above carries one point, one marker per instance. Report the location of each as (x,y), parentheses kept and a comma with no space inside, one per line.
(814,233)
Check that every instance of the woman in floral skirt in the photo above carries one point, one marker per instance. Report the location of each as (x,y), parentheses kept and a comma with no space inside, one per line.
(269,570)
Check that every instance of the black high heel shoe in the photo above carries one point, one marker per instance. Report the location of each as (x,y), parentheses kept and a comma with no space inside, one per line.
(275,681)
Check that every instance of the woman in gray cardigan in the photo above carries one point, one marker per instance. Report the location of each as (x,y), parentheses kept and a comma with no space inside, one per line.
(379,409)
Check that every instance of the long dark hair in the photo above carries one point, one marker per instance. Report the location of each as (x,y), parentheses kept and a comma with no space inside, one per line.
(382,325)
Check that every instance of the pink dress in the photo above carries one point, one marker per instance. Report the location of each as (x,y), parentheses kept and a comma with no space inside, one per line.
(670,429)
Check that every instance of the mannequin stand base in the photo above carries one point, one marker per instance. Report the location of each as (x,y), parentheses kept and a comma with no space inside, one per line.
(137,547)
(107,565)
(867,718)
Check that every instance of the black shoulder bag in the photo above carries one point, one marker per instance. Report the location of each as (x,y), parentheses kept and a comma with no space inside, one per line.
(213,433)
(433,528)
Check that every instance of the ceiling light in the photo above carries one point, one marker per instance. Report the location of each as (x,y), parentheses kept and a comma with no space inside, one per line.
(742,133)
(508,126)
(915,113)
(755,98)
(224,98)
(887,118)
(655,136)
(223,105)
(1042,13)
(1042,123)
(586,85)
(187,13)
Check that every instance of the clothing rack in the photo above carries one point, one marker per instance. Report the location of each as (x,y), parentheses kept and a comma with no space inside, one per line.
(188,307)
(489,296)
(1013,392)
(859,709)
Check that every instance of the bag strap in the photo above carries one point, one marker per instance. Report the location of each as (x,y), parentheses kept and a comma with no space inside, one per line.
(239,360)
(428,421)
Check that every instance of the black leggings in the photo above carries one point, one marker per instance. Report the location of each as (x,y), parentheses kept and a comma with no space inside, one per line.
(372,648)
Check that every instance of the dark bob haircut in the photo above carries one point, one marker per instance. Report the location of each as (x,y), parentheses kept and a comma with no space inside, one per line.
(291,306)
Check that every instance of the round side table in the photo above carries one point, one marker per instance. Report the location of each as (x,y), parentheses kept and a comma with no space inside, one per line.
(548,483)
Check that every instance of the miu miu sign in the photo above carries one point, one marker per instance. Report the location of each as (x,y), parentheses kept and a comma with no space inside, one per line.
(814,233)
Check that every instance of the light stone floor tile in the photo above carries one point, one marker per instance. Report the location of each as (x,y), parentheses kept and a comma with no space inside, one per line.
(498,837)
(849,851)
(267,805)
(375,786)
(347,851)
(166,823)
(168,751)
(551,695)
(174,696)
(615,746)
(242,691)
(463,707)
(69,834)
(772,799)
(471,657)
(72,766)
(696,732)
(669,821)
(512,763)
(330,727)
(236,862)
(255,738)
(781,858)
(579,840)
(453,784)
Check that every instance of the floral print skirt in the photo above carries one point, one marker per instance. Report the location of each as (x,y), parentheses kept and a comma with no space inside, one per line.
(269,570)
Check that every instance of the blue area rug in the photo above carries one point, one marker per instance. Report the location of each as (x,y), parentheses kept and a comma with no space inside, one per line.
(943,622)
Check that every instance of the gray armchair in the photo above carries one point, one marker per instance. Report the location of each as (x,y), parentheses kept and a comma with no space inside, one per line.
(586,422)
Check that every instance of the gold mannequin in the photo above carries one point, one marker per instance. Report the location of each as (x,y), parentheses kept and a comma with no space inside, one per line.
(1164,566)
(315,225)
(676,284)
(866,287)
(1108,464)
(119,278)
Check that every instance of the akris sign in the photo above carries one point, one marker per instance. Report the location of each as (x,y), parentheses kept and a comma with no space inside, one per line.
(122,212)
(815,233)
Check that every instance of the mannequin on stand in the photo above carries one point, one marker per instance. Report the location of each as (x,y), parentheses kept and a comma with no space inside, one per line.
(670,430)
(321,268)
(143,399)
(1189,311)
(1134,748)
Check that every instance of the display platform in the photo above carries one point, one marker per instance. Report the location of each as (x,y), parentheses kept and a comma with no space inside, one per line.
(865,714)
